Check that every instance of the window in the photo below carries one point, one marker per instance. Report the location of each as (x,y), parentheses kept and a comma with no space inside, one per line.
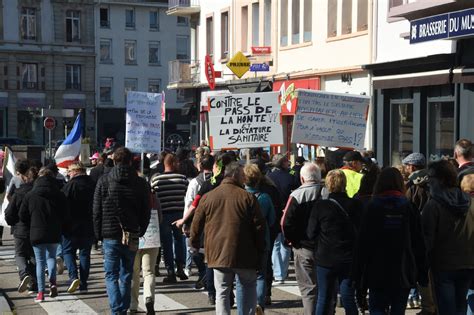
(441,132)
(183,95)
(395,3)
(154,85)
(245,28)
(267,24)
(154,25)
(130,18)
(255,23)
(284,23)
(182,20)
(104,17)
(73,77)
(30,126)
(130,52)
(182,43)
(346,20)
(73,26)
(29,76)
(295,22)
(224,35)
(154,54)
(105,50)
(130,85)
(106,90)
(28,23)
(308,20)
(401,137)
(332,18)
(210,36)
(362,15)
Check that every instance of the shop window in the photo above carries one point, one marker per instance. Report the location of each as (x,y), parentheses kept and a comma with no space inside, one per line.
(267,24)
(441,128)
(30,126)
(104,18)
(154,53)
(401,134)
(130,52)
(106,51)
(28,23)
(73,26)
(244,28)
(255,24)
(210,36)
(224,35)
(295,22)
(284,23)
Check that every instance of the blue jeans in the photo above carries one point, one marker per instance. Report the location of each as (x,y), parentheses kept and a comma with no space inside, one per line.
(451,289)
(171,235)
(261,281)
(280,258)
(70,246)
(118,265)
(211,289)
(327,279)
(45,254)
(246,290)
(470,302)
(381,299)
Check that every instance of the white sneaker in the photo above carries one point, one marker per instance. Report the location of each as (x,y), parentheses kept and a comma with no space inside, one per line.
(188,272)
(278,282)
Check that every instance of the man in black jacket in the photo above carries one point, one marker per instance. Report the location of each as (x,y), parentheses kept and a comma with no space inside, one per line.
(121,203)
(79,233)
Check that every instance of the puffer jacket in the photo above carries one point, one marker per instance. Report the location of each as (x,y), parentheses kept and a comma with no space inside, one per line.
(44,209)
(121,199)
(19,228)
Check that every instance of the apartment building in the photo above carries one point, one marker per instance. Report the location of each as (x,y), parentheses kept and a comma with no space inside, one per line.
(423,91)
(46,60)
(135,40)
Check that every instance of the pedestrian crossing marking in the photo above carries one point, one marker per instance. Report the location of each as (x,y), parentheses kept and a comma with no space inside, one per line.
(66,304)
(162,303)
(289,287)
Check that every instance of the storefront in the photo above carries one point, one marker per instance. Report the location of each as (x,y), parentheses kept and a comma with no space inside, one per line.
(29,120)
(3,113)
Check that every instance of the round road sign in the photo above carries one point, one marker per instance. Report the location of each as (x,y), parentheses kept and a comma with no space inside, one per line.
(49,123)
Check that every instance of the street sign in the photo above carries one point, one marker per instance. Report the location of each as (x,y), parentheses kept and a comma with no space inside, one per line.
(49,123)
(55,112)
(239,64)
(263,50)
(210,73)
(259,67)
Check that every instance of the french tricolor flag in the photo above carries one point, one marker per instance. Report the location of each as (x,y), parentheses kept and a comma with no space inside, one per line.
(70,149)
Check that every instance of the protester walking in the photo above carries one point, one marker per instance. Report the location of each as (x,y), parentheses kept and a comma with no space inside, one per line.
(448,222)
(295,224)
(121,213)
(333,227)
(44,210)
(464,155)
(353,162)
(390,253)
(231,215)
(24,256)
(79,235)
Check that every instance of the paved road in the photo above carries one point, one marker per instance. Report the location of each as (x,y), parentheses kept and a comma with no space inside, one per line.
(180,298)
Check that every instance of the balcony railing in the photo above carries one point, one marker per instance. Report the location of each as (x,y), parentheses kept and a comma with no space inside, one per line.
(184,72)
(183,7)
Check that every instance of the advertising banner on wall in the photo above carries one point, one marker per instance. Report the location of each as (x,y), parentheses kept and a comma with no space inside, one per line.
(330,119)
(240,121)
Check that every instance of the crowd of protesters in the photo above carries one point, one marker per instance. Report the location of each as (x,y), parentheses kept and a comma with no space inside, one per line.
(367,237)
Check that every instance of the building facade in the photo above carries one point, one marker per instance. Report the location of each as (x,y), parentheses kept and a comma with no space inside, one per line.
(135,40)
(47,60)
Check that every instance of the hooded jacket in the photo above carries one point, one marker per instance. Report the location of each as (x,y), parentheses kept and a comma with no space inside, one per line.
(19,228)
(80,193)
(121,199)
(44,209)
(448,226)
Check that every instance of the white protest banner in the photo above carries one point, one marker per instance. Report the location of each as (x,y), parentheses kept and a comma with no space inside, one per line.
(245,121)
(151,239)
(330,119)
(143,122)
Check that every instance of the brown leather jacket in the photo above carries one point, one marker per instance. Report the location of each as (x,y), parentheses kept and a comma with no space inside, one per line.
(234,228)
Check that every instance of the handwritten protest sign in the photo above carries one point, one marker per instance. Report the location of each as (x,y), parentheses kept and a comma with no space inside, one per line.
(143,122)
(330,119)
(151,239)
(245,120)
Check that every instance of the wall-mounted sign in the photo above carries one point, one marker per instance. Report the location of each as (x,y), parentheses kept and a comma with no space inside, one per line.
(210,73)
(259,67)
(239,64)
(443,26)
(262,50)
(287,92)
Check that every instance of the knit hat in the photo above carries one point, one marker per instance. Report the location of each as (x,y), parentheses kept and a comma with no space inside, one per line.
(417,159)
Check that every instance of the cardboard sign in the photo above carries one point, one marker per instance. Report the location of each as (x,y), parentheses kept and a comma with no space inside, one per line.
(151,239)
(143,122)
(330,119)
(245,121)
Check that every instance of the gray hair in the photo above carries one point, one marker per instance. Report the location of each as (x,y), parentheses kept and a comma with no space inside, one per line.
(232,170)
(44,171)
(310,172)
(464,148)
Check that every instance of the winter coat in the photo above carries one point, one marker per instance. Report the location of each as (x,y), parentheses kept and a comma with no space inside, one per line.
(44,210)
(390,250)
(285,183)
(267,210)
(465,169)
(334,230)
(418,190)
(233,225)
(80,193)
(448,225)
(19,228)
(121,199)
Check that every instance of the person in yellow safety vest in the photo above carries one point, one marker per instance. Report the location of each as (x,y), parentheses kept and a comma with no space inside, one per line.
(353,162)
